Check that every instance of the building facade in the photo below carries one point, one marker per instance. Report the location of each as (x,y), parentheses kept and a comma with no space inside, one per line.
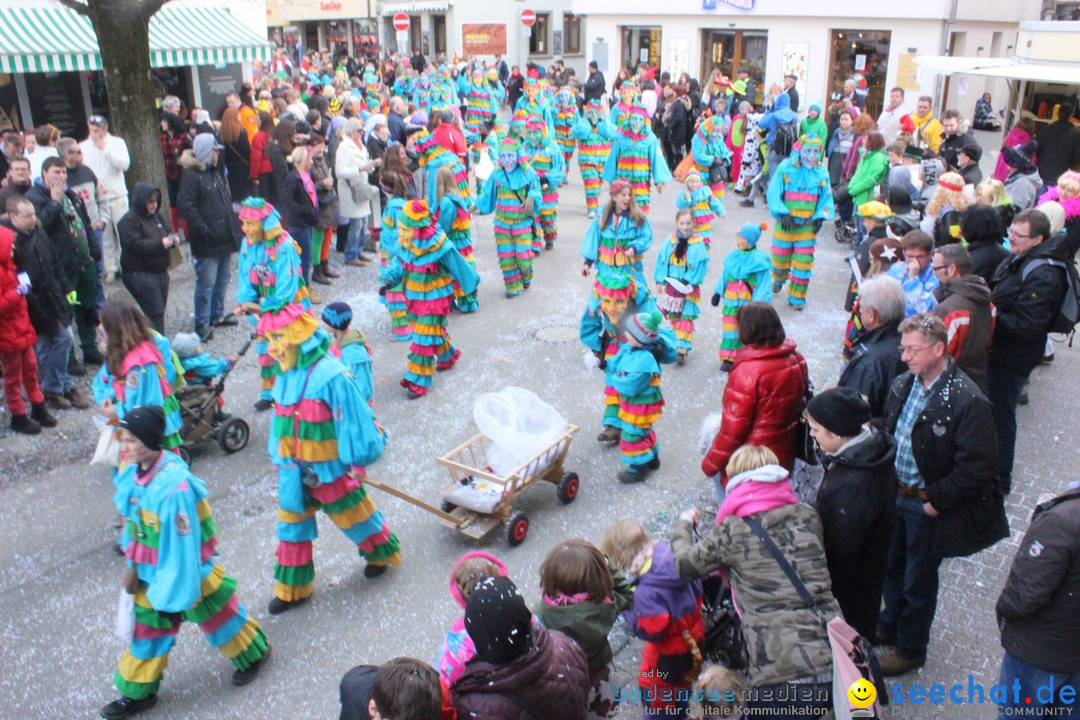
(823,44)
(340,26)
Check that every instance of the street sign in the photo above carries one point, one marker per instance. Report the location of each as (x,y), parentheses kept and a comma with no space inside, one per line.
(528,17)
(401,22)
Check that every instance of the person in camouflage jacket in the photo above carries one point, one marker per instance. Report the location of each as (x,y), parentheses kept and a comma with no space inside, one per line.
(786,641)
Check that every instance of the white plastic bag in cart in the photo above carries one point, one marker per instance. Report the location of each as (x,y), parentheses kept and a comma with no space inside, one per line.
(519,426)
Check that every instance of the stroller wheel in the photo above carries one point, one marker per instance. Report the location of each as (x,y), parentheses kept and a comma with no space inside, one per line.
(233,435)
(184,454)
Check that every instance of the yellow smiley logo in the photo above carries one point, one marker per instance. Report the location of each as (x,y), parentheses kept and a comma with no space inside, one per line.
(861,694)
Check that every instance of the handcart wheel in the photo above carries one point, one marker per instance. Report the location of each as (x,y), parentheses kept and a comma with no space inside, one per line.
(568,488)
(517,527)
(233,435)
(184,454)
(447,507)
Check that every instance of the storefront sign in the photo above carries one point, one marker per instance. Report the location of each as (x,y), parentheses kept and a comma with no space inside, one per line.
(744,5)
(483,38)
(217,82)
(285,12)
(907,72)
(678,56)
(795,63)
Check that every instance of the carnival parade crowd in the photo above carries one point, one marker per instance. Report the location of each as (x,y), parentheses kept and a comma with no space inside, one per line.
(833,502)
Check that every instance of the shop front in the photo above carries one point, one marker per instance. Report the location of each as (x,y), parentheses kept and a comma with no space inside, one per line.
(642,45)
(50,69)
(862,55)
(728,50)
(428,31)
(348,27)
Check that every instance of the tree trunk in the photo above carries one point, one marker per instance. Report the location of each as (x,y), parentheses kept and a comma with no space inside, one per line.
(123,34)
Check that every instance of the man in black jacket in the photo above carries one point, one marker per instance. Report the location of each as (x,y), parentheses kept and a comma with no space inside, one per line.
(1028,288)
(875,361)
(213,231)
(502,68)
(954,136)
(595,83)
(948,502)
(47,304)
(417,61)
(64,219)
(1038,611)
(1059,146)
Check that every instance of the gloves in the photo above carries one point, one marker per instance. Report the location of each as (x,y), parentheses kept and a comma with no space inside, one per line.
(715,300)
(71,297)
(544,183)
(383,289)
(817,225)
(23,289)
(787,223)
(528,207)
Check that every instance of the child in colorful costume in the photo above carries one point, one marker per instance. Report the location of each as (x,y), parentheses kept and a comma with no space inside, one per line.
(322,436)
(681,266)
(619,114)
(405,85)
(512,192)
(619,236)
(616,297)
(711,153)
(635,377)
(546,159)
(593,134)
(752,159)
(635,156)
(736,142)
(533,102)
(268,279)
(800,198)
(480,105)
(349,345)
(706,207)
(745,279)
(394,297)
(431,155)
(566,119)
(454,220)
(459,648)
(171,568)
(430,265)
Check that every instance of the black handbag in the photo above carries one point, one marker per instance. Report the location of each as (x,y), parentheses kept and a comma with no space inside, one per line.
(723,642)
(805,447)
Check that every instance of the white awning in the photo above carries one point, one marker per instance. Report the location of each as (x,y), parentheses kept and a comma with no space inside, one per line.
(1013,68)
(415,6)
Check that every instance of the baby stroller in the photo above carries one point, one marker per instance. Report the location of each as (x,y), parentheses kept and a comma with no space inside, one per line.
(200,410)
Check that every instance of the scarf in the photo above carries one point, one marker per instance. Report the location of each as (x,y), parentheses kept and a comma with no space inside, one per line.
(681,244)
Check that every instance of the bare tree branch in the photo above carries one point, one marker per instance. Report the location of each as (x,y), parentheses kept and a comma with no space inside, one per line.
(152,6)
(78,7)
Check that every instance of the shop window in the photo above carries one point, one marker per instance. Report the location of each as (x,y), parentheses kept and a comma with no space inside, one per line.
(538,39)
(439,23)
(571,34)
(366,36)
(641,45)
(861,54)
(726,50)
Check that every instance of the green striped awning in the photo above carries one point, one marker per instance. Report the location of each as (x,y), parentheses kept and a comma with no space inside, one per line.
(57,39)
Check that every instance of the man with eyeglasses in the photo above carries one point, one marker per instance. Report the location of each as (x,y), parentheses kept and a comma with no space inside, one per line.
(948,500)
(915,274)
(107,155)
(1028,287)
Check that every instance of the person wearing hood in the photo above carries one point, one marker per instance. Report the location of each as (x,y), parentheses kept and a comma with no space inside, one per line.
(875,356)
(856,502)
(458,648)
(965,308)
(1028,288)
(145,240)
(800,200)
(213,231)
(789,656)
(1023,182)
(1067,194)
(774,122)
(814,123)
(522,671)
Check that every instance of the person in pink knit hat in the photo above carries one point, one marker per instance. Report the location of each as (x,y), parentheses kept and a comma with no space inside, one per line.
(458,648)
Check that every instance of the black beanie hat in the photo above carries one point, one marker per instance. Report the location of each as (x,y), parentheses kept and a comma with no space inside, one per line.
(498,621)
(147,423)
(840,410)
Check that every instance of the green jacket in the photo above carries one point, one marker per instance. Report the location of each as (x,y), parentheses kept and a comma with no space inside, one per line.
(872,169)
(589,623)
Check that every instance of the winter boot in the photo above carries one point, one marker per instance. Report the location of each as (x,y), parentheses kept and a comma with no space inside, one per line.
(40,415)
(23,424)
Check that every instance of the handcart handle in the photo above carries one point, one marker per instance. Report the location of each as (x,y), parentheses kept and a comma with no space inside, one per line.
(372,482)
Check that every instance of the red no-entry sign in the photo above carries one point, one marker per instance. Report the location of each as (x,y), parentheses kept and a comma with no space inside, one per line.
(401,22)
(528,18)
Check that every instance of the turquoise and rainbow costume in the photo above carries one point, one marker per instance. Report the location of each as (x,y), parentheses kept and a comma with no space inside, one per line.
(636,157)
(394,298)
(605,245)
(545,158)
(322,437)
(745,279)
(635,377)
(269,275)
(146,377)
(685,261)
(535,102)
(454,220)
(432,156)
(705,206)
(603,335)
(593,134)
(709,147)
(803,193)
(505,193)
(430,266)
(566,120)
(170,540)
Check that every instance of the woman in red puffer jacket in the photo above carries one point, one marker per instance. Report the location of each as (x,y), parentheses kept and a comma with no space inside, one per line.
(764,394)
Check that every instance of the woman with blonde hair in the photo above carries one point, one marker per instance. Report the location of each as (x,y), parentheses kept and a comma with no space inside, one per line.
(300,210)
(1067,194)
(992,193)
(945,208)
